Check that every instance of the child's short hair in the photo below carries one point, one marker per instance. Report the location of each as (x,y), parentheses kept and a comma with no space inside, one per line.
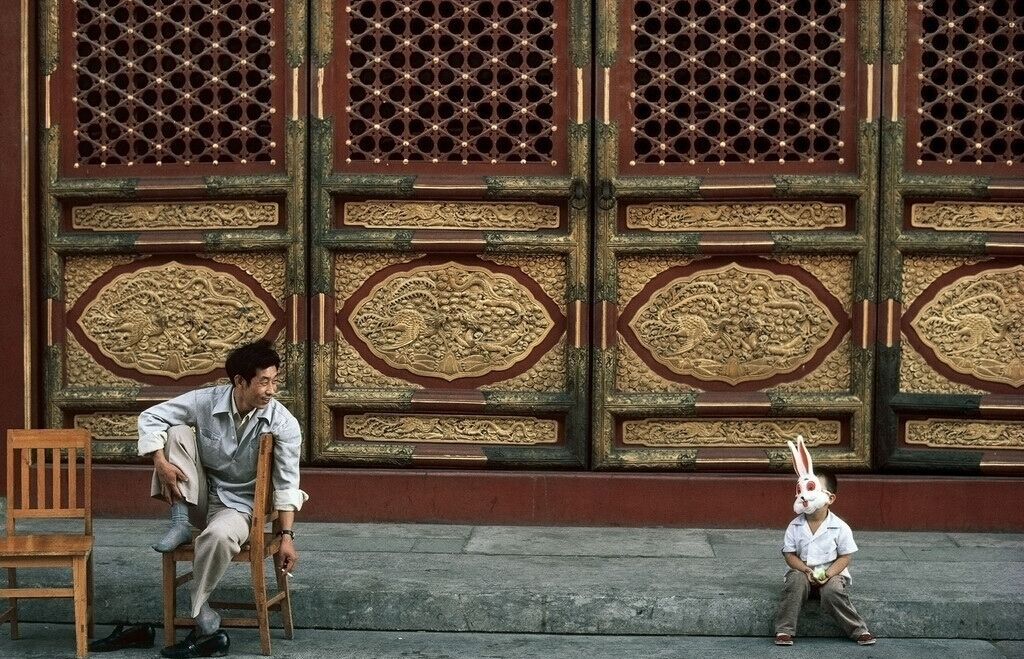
(828,481)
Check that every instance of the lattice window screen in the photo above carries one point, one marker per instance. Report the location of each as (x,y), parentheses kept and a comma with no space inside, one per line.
(746,81)
(173,81)
(443,81)
(971,105)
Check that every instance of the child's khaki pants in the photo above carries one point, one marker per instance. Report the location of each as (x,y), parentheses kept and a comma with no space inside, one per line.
(225,530)
(834,601)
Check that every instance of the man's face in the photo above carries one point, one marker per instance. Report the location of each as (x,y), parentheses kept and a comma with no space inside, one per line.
(259,391)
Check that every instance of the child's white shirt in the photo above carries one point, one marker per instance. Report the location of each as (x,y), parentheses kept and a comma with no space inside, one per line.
(832,539)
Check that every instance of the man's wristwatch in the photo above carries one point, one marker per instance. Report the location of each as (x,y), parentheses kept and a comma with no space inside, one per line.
(287,532)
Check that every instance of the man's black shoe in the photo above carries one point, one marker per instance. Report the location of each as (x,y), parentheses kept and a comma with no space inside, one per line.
(133,636)
(214,645)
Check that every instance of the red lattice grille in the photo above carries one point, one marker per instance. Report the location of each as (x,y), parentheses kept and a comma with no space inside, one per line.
(743,81)
(441,81)
(172,81)
(972,80)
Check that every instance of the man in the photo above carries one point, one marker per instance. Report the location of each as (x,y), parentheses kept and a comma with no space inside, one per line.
(208,476)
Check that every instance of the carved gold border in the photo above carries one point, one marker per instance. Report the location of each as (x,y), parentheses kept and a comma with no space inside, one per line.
(965,216)
(728,433)
(972,434)
(450,429)
(509,216)
(176,216)
(783,216)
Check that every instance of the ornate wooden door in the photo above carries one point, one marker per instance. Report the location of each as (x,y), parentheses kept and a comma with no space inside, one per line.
(951,365)
(449,177)
(173,172)
(736,160)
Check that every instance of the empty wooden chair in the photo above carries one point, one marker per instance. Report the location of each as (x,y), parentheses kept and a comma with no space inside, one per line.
(44,482)
(261,546)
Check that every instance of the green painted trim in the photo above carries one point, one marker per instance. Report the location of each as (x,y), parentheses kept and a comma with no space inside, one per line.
(948,187)
(295,32)
(321,25)
(894,32)
(499,187)
(606,38)
(658,187)
(255,185)
(579,33)
(843,185)
(869,31)
(49,36)
(370,184)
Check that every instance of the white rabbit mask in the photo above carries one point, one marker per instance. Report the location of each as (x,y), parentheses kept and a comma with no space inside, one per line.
(810,495)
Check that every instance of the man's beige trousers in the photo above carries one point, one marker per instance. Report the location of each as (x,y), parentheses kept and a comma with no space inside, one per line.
(225,530)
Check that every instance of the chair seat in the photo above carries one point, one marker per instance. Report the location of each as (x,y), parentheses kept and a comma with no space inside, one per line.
(270,544)
(48,544)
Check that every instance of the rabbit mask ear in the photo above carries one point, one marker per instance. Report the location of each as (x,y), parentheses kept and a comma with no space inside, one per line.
(808,464)
(798,462)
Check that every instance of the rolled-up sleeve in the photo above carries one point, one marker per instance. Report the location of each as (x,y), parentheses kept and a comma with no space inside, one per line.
(155,421)
(287,446)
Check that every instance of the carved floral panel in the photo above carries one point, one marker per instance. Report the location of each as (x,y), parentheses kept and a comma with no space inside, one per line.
(728,433)
(968,324)
(450,429)
(176,216)
(451,319)
(719,321)
(394,214)
(966,434)
(735,217)
(171,318)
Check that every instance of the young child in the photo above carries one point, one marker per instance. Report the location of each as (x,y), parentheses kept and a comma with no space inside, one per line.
(817,547)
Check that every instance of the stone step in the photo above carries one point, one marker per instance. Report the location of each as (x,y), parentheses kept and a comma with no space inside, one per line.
(563,580)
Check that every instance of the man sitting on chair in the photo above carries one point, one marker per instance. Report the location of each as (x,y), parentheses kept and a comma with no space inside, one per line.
(208,476)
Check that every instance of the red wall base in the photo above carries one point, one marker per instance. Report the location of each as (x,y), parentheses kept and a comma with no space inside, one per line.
(882,503)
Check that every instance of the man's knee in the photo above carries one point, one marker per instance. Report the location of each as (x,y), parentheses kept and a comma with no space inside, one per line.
(220,535)
(180,434)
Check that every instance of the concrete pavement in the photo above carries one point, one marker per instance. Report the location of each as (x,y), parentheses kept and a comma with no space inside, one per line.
(51,641)
(528,587)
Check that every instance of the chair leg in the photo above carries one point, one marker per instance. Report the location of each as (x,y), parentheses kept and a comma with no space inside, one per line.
(88,592)
(259,598)
(12,582)
(170,570)
(81,608)
(286,603)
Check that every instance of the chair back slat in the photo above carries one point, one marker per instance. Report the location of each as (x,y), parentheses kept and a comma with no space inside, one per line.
(55,477)
(50,459)
(72,480)
(262,504)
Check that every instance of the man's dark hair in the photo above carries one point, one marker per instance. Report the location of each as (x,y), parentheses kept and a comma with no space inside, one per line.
(246,360)
(828,481)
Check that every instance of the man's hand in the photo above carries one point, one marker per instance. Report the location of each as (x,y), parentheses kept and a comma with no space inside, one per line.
(287,555)
(169,476)
(809,573)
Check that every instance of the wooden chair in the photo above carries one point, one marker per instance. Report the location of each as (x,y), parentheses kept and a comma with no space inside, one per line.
(39,455)
(261,545)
